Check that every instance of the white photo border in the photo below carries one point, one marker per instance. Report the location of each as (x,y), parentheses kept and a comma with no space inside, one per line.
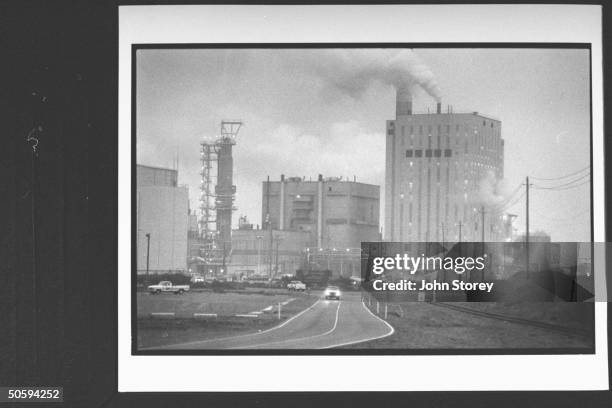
(346,24)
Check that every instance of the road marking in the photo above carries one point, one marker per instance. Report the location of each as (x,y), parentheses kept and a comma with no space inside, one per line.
(298,339)
(247,315)
(270,308)
(234,337)
(162,314)
(392,330)
(205,315)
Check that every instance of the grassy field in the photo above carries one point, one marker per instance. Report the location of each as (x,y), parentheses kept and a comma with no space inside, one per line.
(224,304)
(184,328)
(421,325)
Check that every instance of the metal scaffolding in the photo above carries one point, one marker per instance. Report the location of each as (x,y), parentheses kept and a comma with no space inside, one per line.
(217,195)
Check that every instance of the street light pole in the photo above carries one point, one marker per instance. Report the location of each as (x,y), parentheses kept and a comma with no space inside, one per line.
(148,235)
(259,237)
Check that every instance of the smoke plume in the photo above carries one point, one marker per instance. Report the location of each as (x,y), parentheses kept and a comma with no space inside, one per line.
(352,71)
(492,191)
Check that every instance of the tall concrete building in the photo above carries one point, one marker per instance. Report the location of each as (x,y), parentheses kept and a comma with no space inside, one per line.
(162,213)
(435,166)
(336,213)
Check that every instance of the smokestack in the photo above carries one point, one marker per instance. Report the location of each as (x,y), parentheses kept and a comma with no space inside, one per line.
(403,104)
(439,108)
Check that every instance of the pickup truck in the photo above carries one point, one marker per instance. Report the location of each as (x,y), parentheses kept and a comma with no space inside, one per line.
(296,285)
(167,286)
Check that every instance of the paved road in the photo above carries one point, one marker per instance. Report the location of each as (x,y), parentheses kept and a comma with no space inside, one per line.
(326,324)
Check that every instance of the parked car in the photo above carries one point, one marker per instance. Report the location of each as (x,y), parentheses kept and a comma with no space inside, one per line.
(167,286)
(296,285)
(332,292)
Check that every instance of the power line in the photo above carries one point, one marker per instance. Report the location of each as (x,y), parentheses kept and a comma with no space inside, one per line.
(562,177)
(568,187)
(566,184)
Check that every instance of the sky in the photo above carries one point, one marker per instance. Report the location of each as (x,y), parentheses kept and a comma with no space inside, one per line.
(323,111)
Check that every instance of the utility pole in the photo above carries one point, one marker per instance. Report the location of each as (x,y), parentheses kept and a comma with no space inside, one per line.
(460,225)
(276,258)
(148,246)
(270,249)
(259,238)
(482,212)
(269,222)
(527,227)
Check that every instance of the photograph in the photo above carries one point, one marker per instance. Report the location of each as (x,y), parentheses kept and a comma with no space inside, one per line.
(291,204)
(266,177)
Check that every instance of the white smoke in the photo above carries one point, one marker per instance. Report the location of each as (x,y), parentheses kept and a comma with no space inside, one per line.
(353,71)
(492,191)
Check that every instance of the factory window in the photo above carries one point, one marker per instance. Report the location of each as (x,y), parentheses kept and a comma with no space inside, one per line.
(491,125)
(437,153)
(329,189)
(418,153)
(408,153)
(420,129)
(429,130)
(439,129)
(428,153)
(484,123)
(448,152)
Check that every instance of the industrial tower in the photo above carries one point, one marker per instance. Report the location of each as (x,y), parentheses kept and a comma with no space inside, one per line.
(220,199)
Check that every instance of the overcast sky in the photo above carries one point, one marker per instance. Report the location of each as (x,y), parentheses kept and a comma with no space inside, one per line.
(323,111)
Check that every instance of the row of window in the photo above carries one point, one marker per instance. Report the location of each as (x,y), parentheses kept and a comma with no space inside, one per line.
(430,128)
(429,153)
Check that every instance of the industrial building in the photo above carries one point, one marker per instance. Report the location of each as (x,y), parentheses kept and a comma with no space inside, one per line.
(269,253)
(162,216)
(337,215)
(435,164)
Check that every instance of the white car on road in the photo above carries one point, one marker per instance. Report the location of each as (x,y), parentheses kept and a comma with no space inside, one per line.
(332,292)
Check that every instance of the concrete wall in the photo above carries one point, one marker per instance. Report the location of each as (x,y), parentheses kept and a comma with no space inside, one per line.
(162,211)
(435,164)
(251,255)
(350,210)
(155,176)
